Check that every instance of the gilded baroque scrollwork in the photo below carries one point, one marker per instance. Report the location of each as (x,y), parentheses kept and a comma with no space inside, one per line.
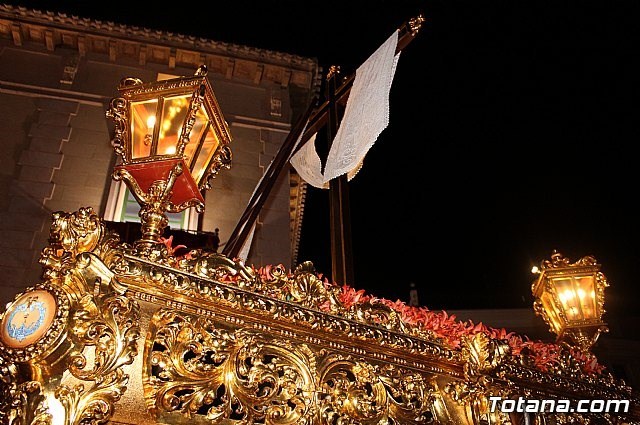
(482,365)
(301,297)
(221,160)
(88,329)
(352,393)
(567,373)
(117,112)
(195,368)
(25,405)
(70,235)
(216,266)
(411,395)
(482,355)
(309,291)
(21,403)
(8,387)
(106,328)
(356,392)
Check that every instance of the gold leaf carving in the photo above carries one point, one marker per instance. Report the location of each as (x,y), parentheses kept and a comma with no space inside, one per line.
(107,328)
(8,375)
(216,266)
(354,392)
(476,352)
(117,112)
(410,395)
(199,370)
(307,290)
(220,161)
(22,404)
(70,235)
(374,311)
(482,355)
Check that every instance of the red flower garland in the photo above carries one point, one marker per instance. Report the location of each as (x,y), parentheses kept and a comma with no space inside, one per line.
(542,355)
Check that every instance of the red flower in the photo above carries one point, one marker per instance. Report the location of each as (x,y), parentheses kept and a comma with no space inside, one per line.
(350,297)
(168,242)
(443,326)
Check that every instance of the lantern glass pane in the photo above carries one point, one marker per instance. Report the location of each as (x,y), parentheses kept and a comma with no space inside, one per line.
(195,137)
(209,147)
(143,121)
(566,293)
(174,112)
(577,296)
(552,311)
(585,289)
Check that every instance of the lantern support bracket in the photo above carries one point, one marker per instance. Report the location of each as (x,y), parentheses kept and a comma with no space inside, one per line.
(155,202)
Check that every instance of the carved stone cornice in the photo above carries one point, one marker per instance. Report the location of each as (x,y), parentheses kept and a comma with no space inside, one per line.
(142,45)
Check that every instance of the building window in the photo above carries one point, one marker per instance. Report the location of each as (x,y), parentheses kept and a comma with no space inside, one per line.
(123,207)
(276,106)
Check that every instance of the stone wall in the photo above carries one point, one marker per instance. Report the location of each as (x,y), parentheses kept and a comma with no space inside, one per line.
(56,153)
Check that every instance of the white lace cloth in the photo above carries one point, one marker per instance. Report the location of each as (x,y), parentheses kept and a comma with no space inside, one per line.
(307,163)
(366,113)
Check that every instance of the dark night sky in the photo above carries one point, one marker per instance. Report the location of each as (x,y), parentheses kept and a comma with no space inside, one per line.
(512,132)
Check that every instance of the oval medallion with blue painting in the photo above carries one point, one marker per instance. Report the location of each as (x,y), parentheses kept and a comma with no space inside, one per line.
(28,318)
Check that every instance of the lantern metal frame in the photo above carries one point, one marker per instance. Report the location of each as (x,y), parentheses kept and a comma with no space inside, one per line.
(162,182)
(578,331)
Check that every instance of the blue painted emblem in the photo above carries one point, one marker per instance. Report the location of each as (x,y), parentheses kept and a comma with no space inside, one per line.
(33,313)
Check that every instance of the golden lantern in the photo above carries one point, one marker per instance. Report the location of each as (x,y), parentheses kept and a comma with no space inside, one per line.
(570,298)
(172,138)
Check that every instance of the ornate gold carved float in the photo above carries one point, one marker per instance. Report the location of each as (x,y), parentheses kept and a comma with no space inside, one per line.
(140,337)
(135,334)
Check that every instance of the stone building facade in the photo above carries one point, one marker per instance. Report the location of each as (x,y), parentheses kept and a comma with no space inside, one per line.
(57,75)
